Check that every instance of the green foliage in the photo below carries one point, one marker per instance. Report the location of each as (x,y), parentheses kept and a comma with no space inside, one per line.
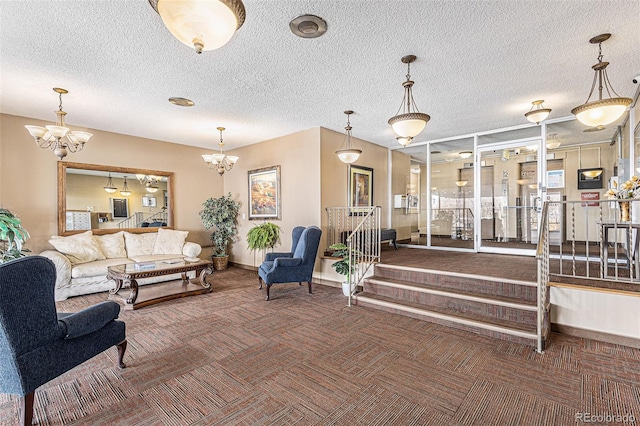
(221,215)
(342,266)
(12,236)
(263,236)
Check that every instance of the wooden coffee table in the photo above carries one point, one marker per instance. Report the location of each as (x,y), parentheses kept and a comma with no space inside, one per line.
(127,275)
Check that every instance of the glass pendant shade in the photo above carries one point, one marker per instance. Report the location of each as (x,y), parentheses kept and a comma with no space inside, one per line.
(348,154)
(553,145)
(404,141)
(36,131)
(125,189)
(601,111)
(538,112)
(57,131)
(220,162)
(462,182)
(109,188)
(201,24)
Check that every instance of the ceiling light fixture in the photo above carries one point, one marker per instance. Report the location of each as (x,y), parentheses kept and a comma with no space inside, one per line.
(553,145)
(110,188)
(183,102)
(538,112)
(308,26)
(201,24)
(59,138)
(149,182)
(602,111)
(408,121)
(125,189)
(461,183)
(465,154)
(589,173)
(348,154)
(220,162)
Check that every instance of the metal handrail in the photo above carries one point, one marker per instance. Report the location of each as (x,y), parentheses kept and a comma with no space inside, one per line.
(542,256)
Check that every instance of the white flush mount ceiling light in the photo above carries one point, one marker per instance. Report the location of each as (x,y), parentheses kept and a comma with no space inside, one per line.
(183,102)
(201,24)
(348,154)
(538,112)
(59,138)
(308,26)
(602,111)
(465,154)
(220,162)
(408,121)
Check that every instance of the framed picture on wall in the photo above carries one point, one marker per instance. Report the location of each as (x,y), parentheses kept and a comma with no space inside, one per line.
(120,207)
(149,202)
(264,193)
(360,189)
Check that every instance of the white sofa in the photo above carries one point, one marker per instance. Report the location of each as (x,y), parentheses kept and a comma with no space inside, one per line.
(82,260)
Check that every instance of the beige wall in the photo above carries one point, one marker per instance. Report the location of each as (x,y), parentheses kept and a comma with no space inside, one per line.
(28,176)
(297,155)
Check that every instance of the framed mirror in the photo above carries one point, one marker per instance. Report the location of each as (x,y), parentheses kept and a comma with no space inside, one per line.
(108,199)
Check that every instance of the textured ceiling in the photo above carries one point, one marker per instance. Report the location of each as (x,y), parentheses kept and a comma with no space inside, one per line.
(480,64)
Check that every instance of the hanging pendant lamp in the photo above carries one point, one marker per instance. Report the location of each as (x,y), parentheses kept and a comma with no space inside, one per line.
(538,113)
(348,154)
(408,121)
(602,111)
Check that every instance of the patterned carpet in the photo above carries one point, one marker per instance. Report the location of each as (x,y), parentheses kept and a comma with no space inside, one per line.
(230,358)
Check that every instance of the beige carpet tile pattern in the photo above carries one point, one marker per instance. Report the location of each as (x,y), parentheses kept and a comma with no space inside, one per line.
(231,358)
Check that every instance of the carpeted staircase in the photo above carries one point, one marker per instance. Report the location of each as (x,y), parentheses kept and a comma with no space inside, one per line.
(495,307)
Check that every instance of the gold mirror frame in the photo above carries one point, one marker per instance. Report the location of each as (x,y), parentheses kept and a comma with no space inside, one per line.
(62,195)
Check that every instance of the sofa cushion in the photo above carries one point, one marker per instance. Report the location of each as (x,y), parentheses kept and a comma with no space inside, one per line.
(139,244)
(79,248)
(97,268)
(112,245)
(169,241)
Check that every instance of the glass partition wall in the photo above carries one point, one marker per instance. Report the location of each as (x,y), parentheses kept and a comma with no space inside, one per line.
(484,192)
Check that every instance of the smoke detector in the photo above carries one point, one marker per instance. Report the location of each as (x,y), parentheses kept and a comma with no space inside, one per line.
(308,26)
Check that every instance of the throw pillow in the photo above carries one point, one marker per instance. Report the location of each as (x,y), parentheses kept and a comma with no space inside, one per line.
(169,241)
(112,245)
(79,248)
(139,244)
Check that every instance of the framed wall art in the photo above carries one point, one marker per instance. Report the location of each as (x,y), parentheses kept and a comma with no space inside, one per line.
(264,193)
(149,201)
(120,207)
(360,188)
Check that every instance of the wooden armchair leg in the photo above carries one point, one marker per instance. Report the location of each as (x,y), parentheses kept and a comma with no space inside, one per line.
(260,282)
(122,347)
(26,409)
(268,287)
(309,284)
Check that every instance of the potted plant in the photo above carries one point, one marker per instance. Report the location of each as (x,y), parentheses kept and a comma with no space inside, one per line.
(343,266)
(262,237)
(12,236)
(221,215)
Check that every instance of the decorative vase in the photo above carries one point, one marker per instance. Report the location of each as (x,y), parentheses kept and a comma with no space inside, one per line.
(624,211)
(220,263)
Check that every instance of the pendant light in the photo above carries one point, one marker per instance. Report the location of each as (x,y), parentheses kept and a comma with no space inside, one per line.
(538,113)
(348,154)
(220,162)
(408,121)
(602,111)
(125,189)
(110,188)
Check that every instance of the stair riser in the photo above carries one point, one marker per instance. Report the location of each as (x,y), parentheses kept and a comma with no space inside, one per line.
(465,284)
(452,324)
(458,306)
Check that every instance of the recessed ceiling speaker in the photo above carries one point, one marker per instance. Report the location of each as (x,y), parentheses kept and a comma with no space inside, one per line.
(308,26)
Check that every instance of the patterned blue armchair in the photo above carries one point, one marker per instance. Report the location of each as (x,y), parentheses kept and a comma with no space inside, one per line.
(37,344)
(292,267)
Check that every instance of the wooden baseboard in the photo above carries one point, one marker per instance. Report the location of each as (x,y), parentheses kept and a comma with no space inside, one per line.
(596,335)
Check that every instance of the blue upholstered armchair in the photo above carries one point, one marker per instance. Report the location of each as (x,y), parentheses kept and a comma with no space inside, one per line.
(37,344)
(296,266)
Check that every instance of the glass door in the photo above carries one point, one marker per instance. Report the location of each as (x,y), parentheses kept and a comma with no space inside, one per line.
(510,197)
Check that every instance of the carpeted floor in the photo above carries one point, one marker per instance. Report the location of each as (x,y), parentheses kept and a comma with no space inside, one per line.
(230,358)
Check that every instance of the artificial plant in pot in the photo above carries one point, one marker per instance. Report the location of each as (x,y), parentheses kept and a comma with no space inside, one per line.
(12,237)
(221,215)
(343,266)
(262,237)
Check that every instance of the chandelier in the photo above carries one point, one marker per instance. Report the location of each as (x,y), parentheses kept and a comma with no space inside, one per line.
(348,154)
(125,189)
(602,111)
(408,121)
(201,24)
(150,182)
(220,162)
(109,187)
(59,138)
(538,113)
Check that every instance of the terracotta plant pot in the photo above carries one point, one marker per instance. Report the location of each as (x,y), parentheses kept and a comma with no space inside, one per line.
(220,263)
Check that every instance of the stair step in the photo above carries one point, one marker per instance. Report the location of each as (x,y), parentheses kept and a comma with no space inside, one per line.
(455,281)
(478,324)
(428,297)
